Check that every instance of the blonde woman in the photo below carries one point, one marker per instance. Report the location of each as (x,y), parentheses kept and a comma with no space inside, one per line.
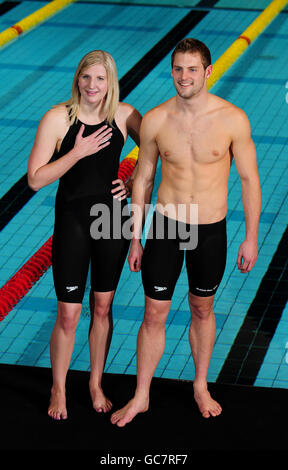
(85,136)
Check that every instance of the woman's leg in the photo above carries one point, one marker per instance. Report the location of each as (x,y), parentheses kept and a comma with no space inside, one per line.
(61,348)
(70,262)
(100,334)
(107,260)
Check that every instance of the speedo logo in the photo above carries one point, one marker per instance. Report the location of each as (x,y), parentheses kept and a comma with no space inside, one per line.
(71,288)
(159,289)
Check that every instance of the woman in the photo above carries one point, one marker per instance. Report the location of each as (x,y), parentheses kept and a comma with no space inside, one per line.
(85,135)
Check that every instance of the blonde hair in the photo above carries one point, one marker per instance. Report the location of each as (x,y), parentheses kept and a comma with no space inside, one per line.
(112,97)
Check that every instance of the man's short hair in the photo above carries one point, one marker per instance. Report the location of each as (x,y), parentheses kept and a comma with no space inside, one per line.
(193,45)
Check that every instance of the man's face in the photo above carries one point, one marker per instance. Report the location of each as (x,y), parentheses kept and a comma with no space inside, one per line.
(189,75)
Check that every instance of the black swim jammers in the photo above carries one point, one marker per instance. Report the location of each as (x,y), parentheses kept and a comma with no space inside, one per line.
(205,253)
(74,249)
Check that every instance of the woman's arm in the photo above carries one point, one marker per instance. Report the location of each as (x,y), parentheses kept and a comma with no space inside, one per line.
(51,131)
(129,121)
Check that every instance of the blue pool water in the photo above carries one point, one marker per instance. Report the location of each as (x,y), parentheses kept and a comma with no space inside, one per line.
(37,71)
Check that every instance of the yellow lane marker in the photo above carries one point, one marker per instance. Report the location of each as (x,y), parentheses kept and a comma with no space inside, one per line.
(33,20)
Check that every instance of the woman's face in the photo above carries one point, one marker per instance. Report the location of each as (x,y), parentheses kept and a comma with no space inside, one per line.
(93,84)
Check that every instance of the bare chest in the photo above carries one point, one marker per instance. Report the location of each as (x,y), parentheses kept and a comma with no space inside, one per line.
(199,142)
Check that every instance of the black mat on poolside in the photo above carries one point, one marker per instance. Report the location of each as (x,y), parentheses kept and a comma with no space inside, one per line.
(253,418)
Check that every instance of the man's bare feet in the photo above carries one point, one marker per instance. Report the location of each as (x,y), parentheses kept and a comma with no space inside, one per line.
(100,402)
(127,413)
(207,406)
(57,408)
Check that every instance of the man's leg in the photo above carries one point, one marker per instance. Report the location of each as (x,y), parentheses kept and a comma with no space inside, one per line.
(150,348)
(202,337)
(161,266)
(100,334)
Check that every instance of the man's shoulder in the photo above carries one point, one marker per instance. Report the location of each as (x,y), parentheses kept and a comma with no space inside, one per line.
(233,117)
(226,108)
(235,120)
(153,120)
(158,112)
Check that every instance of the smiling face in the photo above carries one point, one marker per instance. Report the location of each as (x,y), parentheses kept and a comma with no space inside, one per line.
(93,84)
(189,75)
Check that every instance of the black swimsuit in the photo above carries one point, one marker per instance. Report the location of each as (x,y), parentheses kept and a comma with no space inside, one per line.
(204,245)
(87,183)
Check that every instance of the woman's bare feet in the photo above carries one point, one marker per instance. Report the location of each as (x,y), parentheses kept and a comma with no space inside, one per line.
(207,406)
(57,408)
(127,413)
(100,402)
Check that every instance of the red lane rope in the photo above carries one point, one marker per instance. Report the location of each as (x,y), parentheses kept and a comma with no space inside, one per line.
(245,39)
(23,280)
(17,28)
(18,286)
(126,168)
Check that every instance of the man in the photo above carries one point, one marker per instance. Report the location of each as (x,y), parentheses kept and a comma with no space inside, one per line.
(196,134)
